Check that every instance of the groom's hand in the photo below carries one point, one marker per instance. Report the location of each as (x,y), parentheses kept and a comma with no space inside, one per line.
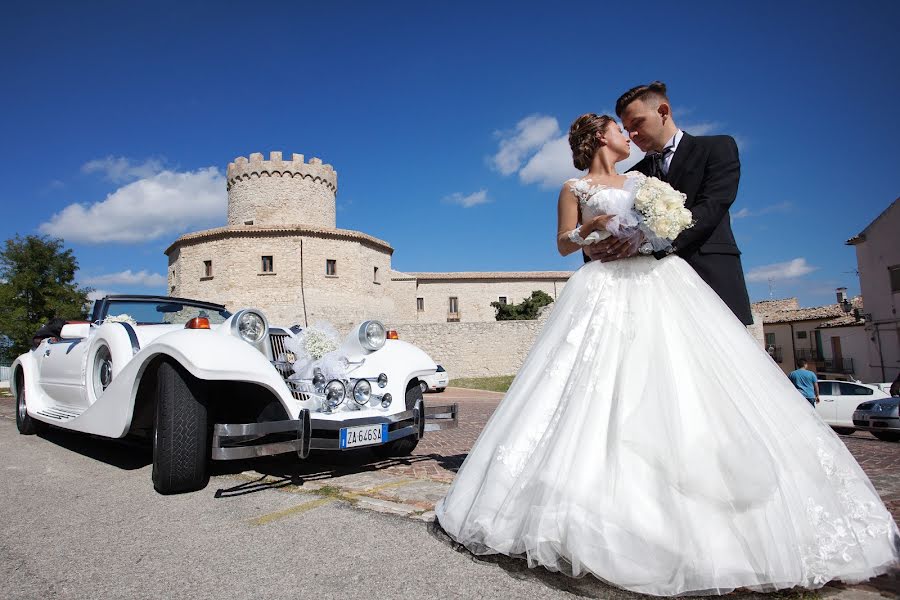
(613,248)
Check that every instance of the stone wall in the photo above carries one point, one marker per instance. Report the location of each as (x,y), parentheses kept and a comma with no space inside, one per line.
(475,349)
(299,277)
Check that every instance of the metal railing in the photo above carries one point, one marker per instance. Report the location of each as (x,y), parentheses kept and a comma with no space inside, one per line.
(840,365)
(5,373)
(776,353)
(807,354)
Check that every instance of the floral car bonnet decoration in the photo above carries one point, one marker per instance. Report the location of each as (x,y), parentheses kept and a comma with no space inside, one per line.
(316,347)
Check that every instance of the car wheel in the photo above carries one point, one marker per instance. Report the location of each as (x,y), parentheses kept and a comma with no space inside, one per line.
(180,432)
(887,436)
(422,386)
(844,430)
(24,423)
(403,446)
(440,390)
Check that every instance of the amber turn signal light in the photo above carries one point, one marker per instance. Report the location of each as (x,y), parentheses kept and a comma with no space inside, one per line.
(197,323)
(392,334)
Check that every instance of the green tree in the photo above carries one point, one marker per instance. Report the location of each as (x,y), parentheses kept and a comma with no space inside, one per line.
(528,309)
(37,283)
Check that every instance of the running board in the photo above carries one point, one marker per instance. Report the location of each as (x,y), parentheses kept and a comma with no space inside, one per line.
(60,413)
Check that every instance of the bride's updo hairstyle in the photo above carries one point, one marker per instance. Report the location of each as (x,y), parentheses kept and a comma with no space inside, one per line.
(584,138)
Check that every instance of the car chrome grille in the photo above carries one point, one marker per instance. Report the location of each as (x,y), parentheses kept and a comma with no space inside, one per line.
(284,368)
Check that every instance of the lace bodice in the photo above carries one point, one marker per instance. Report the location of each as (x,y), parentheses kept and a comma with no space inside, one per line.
(601,199)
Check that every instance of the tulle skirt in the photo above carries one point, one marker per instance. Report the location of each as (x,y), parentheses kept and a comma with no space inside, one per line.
(649,440)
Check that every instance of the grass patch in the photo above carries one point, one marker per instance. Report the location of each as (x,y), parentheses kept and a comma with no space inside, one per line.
(492,384)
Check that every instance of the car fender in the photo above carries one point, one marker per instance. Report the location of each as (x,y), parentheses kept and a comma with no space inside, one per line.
(398,359)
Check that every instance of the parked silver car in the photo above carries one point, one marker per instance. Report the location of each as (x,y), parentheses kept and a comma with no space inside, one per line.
(880,417)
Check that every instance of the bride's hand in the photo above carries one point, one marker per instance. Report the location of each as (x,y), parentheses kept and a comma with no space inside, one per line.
(599,222)
(614,248)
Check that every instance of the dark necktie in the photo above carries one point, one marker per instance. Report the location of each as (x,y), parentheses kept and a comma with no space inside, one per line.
(658,163)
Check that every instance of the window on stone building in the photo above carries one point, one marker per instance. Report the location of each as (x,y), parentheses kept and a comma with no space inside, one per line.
(331,267)
(207,268)
(375,275)
(770,339)
(420,304)
(453,314)
(895,278)
(268,265)
(502,300)
(801,335)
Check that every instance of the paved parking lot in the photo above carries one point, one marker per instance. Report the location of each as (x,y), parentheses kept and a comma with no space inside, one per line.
(406,488)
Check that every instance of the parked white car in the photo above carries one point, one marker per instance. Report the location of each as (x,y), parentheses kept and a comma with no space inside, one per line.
(436,382)
(204,384)
(839,400)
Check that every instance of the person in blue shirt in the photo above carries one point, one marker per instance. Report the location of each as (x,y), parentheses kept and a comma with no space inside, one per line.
(806,382)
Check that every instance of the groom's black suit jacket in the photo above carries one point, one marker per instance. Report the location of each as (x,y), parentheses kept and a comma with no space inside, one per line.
(708,169)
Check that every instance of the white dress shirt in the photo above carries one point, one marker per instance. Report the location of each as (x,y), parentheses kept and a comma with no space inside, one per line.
(673,141)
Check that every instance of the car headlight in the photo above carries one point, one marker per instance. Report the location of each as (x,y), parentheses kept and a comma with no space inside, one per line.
(382,380)
(362,391)
(251,326)
(372,335)
(386,400)
(335,392)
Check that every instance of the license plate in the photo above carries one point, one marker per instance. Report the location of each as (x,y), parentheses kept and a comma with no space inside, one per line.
(365,435)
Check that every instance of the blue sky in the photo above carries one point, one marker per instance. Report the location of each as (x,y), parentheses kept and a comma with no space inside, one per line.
(444,122)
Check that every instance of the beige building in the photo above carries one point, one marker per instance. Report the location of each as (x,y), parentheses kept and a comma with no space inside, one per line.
(281,251)
(878,263)
(830,338)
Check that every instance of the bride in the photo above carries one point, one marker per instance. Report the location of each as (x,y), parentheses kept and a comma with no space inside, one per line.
(650,441)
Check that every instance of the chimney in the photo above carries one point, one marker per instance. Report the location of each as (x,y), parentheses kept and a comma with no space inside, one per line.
(841,295)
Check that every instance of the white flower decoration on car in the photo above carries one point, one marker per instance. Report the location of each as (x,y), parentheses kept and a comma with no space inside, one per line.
(123,318)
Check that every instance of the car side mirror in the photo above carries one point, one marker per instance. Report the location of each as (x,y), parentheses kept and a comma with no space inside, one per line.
(73,331)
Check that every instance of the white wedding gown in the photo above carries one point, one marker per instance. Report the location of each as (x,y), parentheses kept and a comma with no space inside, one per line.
(648,439)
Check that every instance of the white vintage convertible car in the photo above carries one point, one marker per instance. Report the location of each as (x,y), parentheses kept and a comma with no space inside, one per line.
(203,384)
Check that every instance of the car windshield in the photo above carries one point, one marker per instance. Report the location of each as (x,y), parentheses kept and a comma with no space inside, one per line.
(161,312)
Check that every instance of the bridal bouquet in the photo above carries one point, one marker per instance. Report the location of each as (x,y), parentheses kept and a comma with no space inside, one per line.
(662,209)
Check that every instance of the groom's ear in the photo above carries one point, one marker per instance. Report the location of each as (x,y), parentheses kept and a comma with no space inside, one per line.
(664,110)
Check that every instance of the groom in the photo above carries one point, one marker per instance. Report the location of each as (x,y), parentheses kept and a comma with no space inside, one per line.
(705,168)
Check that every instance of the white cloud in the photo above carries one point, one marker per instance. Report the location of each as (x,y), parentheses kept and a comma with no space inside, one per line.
(530,134)
(701,128)
(128,277)
(781,207)
(119,169)
(786,270)
(468,201)
(98,294)
(538,143)
(147,209)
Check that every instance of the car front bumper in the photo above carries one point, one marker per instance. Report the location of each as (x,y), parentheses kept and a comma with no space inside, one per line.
(867,420)
(233,441)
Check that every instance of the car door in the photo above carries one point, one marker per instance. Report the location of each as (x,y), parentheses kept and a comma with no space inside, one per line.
(62,375)
(828,396)
(852,395)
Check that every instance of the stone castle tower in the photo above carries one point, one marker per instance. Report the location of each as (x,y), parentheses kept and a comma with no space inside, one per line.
(281,250)
(279,192)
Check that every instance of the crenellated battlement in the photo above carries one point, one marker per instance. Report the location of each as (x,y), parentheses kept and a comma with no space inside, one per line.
(243,169)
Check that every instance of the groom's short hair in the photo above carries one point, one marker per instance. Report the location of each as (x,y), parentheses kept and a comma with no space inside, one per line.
(654,91)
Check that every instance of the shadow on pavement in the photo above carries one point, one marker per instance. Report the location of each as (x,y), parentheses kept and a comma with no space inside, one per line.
(125,454)
(319,467)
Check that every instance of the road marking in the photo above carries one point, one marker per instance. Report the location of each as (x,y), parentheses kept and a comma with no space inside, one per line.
(289,512)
